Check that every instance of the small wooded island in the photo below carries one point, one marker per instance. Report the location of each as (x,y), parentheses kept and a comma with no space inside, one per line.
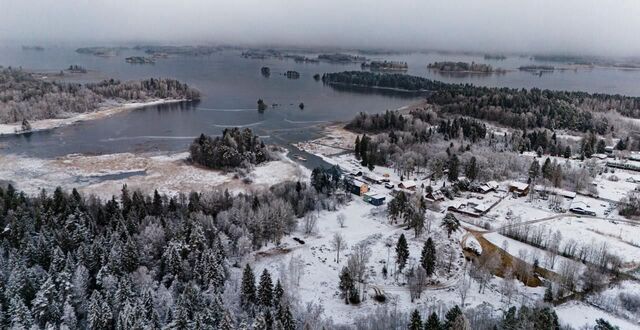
(140,60)
(537,68)
(341,58)
(385,65)
(292,74)
(497,57)
(235,148)
(463,67)
(76,69)
(101,51)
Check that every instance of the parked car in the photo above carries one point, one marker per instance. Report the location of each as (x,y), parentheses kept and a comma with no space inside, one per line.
(388,185)
(581,211)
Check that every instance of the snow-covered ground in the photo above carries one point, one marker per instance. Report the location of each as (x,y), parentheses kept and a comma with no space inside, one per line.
(322,270)
(514,248)
(518,207)
(622,239)
(578,314)
(72,118)
(611,300)
(105,175)
(366,223)
(615,186)
(335,140)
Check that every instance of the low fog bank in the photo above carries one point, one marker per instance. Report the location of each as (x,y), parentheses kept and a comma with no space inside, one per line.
(495,26)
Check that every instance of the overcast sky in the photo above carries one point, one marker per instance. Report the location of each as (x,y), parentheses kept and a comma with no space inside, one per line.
(542,26)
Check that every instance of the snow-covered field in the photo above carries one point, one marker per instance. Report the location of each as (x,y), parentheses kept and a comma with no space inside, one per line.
(614,186)
(514,248)
(105,175)
(578,314)
(518,207)
(621,238)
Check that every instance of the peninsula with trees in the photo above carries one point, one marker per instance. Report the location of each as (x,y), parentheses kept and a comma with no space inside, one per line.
(27,97)
(163,51)
(517,108)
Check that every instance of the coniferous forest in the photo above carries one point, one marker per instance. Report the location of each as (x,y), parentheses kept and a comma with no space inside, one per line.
(71,261)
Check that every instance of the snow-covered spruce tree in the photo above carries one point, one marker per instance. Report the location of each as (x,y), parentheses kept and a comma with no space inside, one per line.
(402,252)
(19,315)
(265,290)
(451,316)
(428,257)
(416,321)
(433,322)
(99,312)
(248,295)
(285,318)
(69,320)
(227,322)
(47,306)
(450,224)
(278,294)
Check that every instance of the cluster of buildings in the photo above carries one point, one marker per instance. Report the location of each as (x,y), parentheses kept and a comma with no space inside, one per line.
(361,188)
(480,199)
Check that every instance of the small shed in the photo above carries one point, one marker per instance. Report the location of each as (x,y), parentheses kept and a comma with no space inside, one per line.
(493,185)
(372,178)
(409,185)
(487,187)
(357,187)
(520,188)
(374,199)
(556,191)
(435,196)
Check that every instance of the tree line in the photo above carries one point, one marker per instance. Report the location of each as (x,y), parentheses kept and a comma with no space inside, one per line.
(517,108)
